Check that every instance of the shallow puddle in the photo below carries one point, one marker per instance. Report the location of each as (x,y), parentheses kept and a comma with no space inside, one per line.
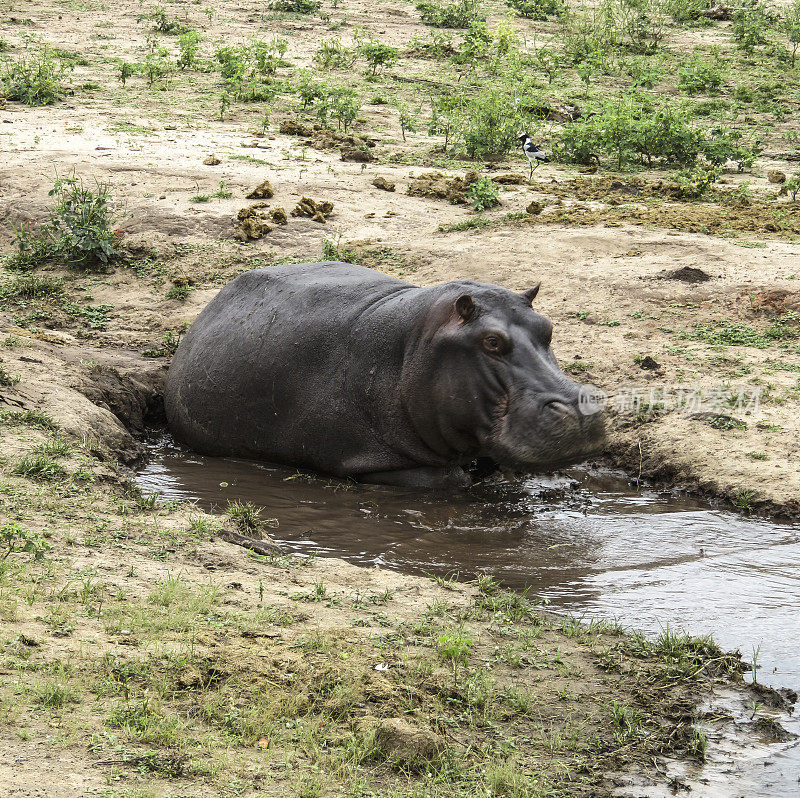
(588,541)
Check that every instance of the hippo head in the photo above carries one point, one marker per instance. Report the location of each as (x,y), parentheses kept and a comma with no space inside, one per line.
(492,386)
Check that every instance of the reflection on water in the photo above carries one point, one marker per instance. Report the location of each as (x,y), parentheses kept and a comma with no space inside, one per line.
(586,540)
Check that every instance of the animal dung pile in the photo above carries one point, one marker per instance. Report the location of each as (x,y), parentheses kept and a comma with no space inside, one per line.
(262,191)
(357,154)
(212,160)
(291,127)
(383,184)
(318,211)
(440,186)
(278,215)
(252,222)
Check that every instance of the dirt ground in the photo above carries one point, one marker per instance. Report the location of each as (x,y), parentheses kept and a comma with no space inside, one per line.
(143,656)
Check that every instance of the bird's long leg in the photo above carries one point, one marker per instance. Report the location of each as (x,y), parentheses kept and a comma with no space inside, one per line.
(531,174)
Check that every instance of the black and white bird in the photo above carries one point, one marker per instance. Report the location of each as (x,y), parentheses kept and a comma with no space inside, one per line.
(533,153)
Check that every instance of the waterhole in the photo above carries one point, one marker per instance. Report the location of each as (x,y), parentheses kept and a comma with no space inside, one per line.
(589,541)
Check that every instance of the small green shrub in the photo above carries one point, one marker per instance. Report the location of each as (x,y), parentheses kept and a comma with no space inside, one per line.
(332,54)
(378,55)
(157,65)
(483,193)
(34,79)
(789,25)
(488,124)
(700,75)
(126,70)
(537,9)
(13,538)
(750,21)
(792,186)
(455,15)
(161,22)
(78,233)
(188,44)
(296,6)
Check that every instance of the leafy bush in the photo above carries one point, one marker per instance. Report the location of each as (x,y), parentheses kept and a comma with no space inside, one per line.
(35,78)
(13,538)
(296,6)
(700,75)
(378,55)
(749,25)
(790,26)
(247,69)
(723,145)
(792,187)
(332,54)
(161,22)
(157,65)
(537,9)
(483,193)
(78,233)
(488,124)
(188,44)
(632,131)
(455,15)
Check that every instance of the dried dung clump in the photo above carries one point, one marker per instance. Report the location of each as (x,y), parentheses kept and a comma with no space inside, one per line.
(212,160)
(535,208)
(510,180)
(776,176)
(405,744)
(262,191)
(291,127)
(440,186)
(356,154)
(318,211)
(278,215)
(252,223)
(383,184)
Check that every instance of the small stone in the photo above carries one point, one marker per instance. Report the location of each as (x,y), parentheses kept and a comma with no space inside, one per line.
(776,176)
(212,160)
(262,191)
(383,184)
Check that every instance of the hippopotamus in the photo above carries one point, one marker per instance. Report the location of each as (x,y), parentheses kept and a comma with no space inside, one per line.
(344,370)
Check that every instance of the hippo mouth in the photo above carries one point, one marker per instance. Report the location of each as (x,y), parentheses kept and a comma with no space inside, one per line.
(556,437)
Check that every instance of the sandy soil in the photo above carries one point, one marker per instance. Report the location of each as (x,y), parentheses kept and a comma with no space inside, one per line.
(603,263)
(603,285)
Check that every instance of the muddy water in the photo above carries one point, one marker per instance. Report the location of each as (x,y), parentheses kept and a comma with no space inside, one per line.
(587,541)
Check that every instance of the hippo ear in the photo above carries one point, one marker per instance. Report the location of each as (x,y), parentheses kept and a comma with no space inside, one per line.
(530,294)
(465,307)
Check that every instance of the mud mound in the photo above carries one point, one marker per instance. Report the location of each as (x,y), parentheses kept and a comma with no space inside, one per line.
(510,180)
(356,154)
(291,127)
(437,185)
(776,301)
(318,211)
(688,274)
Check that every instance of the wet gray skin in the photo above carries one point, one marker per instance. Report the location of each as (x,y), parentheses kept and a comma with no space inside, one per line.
(350,372)
(587,541)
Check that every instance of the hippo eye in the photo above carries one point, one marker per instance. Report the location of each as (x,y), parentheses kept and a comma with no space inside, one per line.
(495,344)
